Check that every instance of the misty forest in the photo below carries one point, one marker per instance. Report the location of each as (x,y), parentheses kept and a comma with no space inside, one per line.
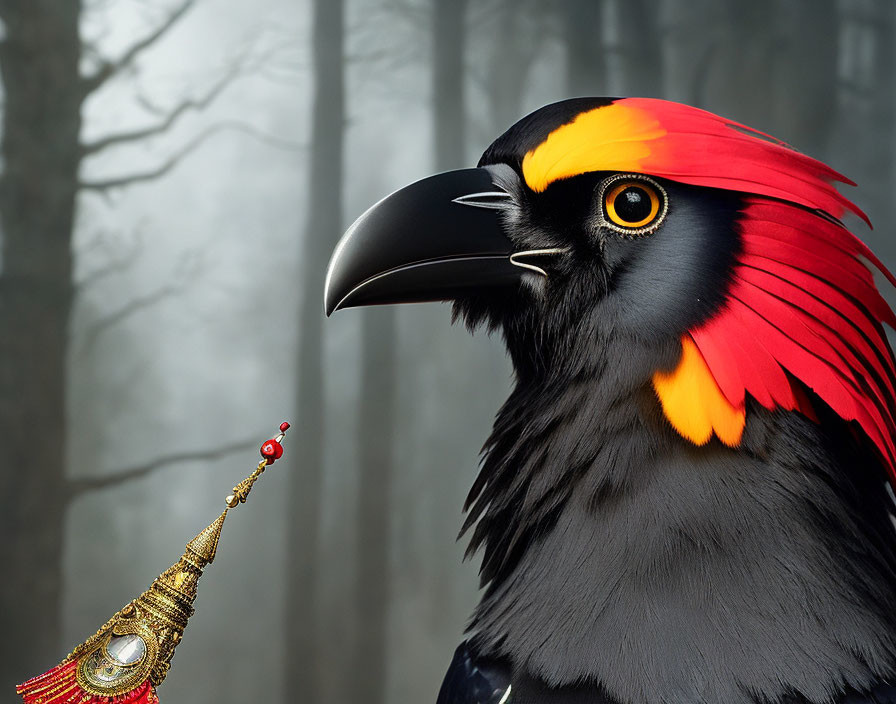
(175,175)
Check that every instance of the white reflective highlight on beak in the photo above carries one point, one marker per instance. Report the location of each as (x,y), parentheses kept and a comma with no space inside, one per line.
(341,245)
(492,200)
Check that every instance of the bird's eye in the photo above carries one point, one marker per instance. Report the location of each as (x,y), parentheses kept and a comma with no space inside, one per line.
(632,204)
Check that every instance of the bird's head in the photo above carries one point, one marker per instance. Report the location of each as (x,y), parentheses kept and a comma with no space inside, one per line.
(709,256)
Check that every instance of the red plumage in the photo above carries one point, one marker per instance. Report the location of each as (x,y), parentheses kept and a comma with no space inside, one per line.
(703,149)
(814,316)
(802,308)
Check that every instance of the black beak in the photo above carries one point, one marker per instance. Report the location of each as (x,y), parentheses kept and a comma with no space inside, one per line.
(431,241)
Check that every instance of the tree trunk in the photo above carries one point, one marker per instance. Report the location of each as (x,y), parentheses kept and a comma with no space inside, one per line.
(692,42)
(866,114)
(376,433)
(637,68)
(744,64)
(586,73)
(513,49)
(323,228)
(39,59)
(449,105)
(805,117)
(449,149)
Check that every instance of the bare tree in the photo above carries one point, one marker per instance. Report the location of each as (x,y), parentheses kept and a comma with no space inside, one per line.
(586,72)
(693,37)
(516,36)
(322,229)
(42,155)
(86,339)
(866,111)
(740,63)
(82,485)
(376,437)
(635,47)
(449,105)
(810,43)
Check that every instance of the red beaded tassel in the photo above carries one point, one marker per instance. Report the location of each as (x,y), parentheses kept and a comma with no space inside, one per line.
(60,686)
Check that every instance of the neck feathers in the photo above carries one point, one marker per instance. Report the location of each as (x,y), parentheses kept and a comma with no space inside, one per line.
(617,552)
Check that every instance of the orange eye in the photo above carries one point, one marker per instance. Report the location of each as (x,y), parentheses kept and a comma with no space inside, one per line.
(633,206)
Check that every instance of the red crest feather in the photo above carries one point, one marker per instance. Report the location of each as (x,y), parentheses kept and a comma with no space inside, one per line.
(814,315)
(801,284)
(703,149)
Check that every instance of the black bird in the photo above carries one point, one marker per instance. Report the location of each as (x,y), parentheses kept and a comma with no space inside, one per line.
(685,497)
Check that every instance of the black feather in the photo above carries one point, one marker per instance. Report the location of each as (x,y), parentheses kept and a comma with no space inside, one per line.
(472,679)
(622,562)
(533,129)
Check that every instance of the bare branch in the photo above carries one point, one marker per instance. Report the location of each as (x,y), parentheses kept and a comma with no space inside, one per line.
(126,311)
(190,104)
(120,260)
(90,51)
(151,174)
(77,487)
(108,69)
(147,104)
(115,266)
(187,272)
(102,185)
(143,133)
(272,140)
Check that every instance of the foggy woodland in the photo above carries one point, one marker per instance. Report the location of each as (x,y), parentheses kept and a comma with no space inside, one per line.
(175,174)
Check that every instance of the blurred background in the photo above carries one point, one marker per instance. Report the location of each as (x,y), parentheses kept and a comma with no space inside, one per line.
(175,174)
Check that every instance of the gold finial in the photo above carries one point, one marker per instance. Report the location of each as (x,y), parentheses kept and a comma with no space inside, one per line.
(272,451)
(130,655)
(204,545)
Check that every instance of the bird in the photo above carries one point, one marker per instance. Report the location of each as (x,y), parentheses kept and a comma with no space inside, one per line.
(687,495)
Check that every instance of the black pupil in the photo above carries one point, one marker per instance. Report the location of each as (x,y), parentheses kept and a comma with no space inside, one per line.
(633,204)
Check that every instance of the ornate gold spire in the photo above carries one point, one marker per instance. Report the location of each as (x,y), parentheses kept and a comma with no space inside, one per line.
(130,655)
(204,545)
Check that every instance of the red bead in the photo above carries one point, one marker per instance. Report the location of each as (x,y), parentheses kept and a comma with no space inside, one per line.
(284,426)
(272,450)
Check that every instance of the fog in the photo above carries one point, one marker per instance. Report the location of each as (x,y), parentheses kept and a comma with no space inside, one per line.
(155,298)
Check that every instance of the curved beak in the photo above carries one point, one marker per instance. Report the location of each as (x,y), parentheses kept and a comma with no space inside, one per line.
(434,240)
